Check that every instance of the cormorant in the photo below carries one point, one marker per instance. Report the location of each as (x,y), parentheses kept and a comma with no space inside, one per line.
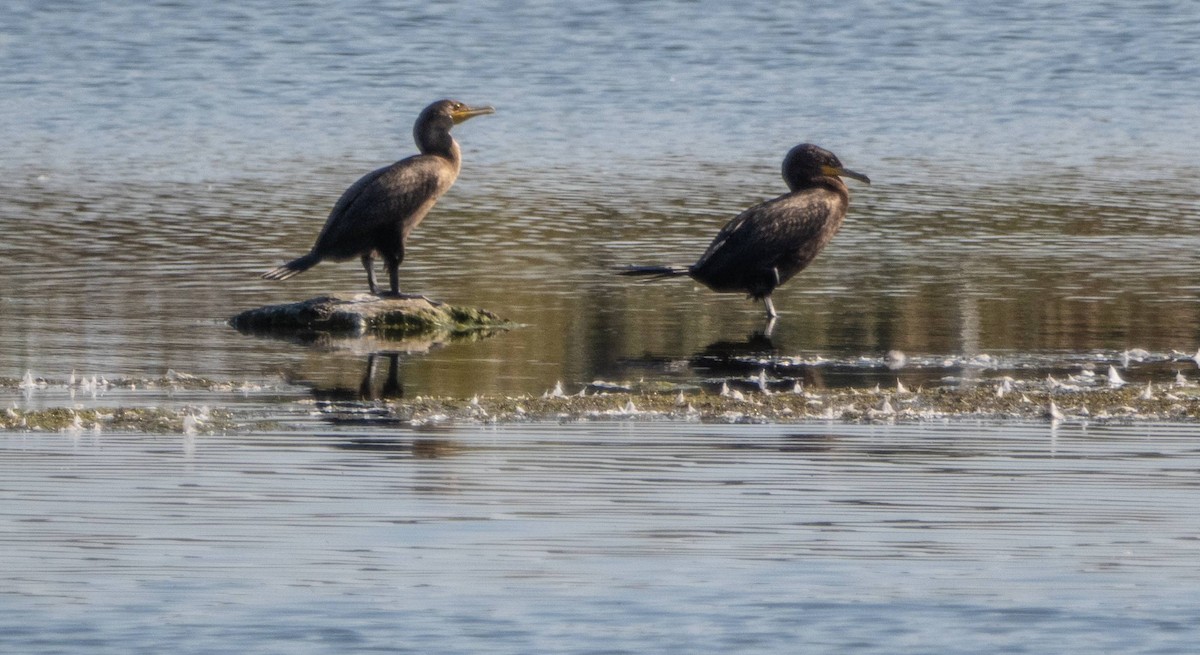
(378,212)
(767,244)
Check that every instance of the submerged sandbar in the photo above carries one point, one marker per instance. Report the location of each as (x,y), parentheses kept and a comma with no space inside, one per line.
(297,407)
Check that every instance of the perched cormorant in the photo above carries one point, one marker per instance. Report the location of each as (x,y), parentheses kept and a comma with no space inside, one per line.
(767,244)
(378,212)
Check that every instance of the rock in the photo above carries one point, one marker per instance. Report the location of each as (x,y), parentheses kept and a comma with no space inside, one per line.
(365,314)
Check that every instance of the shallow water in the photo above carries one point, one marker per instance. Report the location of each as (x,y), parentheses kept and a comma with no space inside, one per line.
(1034,180)
(609,537)
(1033,212)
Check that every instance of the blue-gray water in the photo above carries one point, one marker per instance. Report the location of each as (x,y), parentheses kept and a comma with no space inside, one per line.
(613,538)
(1033,200)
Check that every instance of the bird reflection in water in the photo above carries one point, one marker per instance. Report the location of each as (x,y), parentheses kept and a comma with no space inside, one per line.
(356,407)
(750,365)
(391,388)
(754,364)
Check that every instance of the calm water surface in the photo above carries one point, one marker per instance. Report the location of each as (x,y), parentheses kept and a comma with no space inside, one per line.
(1034,200)
(605,538)
(1034,174)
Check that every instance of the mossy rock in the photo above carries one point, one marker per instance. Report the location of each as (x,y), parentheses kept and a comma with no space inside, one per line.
(367,315)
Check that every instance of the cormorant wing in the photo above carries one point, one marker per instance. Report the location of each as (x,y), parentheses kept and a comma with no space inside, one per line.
(786,232)
(397,194)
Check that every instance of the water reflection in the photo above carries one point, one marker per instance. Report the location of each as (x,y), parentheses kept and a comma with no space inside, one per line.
(356,344)
(757,363)
(913,270)
(405,447)
(368,389)
(345,350)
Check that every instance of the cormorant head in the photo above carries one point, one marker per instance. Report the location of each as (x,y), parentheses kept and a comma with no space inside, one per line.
(806,162)
(432,129)
(447,113)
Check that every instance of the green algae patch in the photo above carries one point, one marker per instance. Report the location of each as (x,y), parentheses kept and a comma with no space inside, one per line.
(363,314)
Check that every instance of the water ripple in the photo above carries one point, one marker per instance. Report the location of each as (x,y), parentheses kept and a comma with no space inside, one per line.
(382,527)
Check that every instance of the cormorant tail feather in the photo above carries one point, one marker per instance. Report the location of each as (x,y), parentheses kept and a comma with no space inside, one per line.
(294,267)
(654,271)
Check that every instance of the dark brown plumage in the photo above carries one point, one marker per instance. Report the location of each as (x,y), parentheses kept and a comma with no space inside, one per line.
(771,242)
(378,212)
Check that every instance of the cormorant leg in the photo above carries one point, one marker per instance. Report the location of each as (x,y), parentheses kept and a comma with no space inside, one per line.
(393,267)
(771,313)
(368,263)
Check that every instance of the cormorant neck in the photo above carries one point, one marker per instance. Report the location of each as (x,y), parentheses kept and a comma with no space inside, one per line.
(831,182)
(437,141)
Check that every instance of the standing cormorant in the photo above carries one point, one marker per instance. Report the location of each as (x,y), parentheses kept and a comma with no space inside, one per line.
(767,244)
(378,212)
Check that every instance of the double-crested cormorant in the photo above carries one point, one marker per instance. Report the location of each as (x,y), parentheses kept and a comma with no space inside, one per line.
(767,244)
(378,212)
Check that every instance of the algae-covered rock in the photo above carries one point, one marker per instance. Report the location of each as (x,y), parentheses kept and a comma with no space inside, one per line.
(366,314)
